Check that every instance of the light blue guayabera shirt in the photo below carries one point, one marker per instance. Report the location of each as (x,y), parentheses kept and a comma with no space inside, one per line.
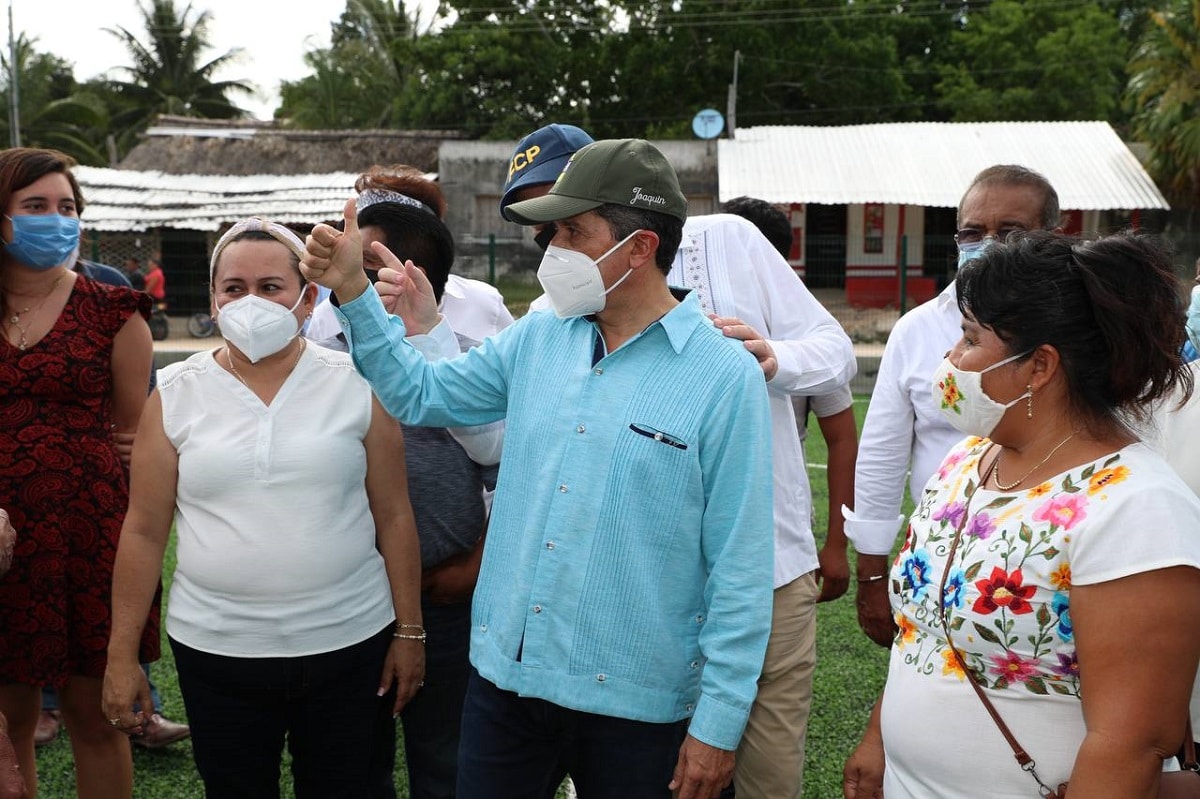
(628,564)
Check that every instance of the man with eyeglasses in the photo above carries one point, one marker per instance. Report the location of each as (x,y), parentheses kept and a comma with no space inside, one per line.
(903,431)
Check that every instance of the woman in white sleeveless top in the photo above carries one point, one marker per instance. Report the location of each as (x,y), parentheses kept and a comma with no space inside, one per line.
(294,613)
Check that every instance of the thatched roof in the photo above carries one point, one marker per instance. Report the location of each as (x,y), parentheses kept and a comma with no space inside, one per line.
(178,145)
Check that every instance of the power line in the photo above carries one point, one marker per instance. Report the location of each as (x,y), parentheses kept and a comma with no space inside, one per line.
(510,20)
(974,70)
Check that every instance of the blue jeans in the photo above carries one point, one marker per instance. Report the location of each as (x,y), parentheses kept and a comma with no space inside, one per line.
(50,696)
(433,717)
(517,748)
(242,709)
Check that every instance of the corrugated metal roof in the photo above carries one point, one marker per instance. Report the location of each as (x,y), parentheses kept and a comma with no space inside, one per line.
(931,163)
(119,200)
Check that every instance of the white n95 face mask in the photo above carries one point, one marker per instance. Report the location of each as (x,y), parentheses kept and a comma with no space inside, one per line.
(259,328)
(572,280)
(960,398)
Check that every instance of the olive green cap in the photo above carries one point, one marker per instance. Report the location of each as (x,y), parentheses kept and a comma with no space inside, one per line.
(630,172)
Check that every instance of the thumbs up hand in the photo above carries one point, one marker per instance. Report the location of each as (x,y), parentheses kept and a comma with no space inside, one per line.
(333,258)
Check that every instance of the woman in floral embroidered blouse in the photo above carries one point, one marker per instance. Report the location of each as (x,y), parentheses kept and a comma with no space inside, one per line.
(1064,553)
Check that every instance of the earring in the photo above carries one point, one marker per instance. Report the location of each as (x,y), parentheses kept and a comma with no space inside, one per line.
(1029,401)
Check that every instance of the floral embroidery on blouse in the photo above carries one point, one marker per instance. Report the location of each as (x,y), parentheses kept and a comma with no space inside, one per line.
(1007,593)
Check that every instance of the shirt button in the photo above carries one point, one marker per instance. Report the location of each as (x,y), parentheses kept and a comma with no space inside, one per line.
(483,628)
(549,545)
(695,664)
(699,620)
(598,370)
(580,429)
(600,678)
(562,489)
(689,708)
(537,608)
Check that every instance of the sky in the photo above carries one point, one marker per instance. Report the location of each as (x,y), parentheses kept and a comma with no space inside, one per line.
(273,36)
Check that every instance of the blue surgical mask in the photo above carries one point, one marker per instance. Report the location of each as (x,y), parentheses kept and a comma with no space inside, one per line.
(1193,318)
(969,252)
(43,241)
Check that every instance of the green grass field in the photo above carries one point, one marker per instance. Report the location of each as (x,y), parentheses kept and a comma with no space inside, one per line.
(850,673)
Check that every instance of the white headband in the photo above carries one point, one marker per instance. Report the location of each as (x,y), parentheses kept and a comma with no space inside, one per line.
(373,196)
(275,230)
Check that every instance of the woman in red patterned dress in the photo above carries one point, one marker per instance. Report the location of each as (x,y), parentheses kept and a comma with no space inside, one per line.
(74,366)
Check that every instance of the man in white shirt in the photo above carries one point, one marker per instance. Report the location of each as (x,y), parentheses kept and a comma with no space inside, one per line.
(741,278)
(903,431)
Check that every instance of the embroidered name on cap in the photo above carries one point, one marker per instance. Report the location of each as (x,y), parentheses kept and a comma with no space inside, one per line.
(649,199)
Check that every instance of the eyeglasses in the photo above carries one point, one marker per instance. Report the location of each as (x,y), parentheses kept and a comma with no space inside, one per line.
(971,235)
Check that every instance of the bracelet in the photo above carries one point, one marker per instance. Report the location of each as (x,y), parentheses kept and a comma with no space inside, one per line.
(872,578)
(400,626)
(407,637)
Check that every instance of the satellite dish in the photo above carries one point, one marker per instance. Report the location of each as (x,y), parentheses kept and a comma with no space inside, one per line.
(708,124)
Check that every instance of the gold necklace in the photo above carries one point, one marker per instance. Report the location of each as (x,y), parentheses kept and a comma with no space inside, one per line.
(238,375)
(995,472)
(15,319)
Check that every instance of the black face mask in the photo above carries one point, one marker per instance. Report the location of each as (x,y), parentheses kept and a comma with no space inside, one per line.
(372,275)
(544,238)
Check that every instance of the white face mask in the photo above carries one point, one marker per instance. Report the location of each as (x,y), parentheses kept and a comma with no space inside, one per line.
(960,397)
(572,281)
(259,328)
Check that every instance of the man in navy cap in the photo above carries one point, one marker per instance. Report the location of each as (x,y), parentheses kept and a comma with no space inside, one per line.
(534,167)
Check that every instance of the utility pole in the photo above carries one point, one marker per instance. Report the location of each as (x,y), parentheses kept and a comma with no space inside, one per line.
(731,101)
(14,93)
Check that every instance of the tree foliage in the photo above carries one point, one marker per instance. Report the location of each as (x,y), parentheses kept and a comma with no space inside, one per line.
(1032,60)
(358,80)
(1164,88)
(53,111)
(504,63)
(167,75)
(497,68)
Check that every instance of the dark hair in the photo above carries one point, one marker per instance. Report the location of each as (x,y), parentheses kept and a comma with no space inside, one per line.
(1015,175)
(23,166)
(1110,307)
(411,233)
(769,220)
(623,220)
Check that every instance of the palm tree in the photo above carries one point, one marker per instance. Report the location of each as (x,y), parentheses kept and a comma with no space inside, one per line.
(1164,87)
(54,110)
(167,76)
(358,80)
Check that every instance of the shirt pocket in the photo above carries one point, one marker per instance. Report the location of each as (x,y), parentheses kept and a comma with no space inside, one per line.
(659,436)
(661,457)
